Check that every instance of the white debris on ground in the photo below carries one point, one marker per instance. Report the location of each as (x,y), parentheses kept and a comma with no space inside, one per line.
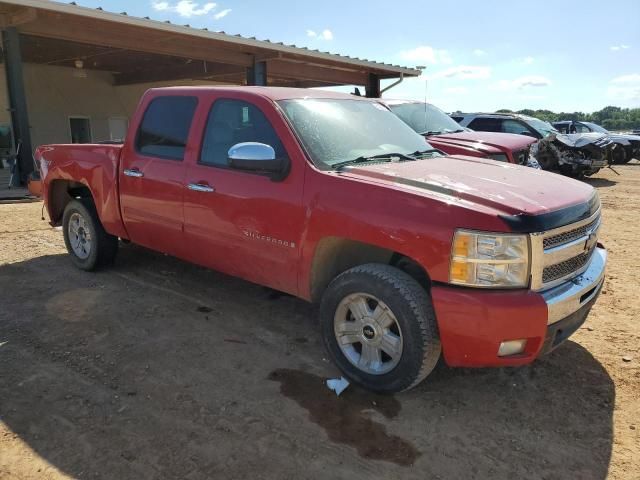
(338,385)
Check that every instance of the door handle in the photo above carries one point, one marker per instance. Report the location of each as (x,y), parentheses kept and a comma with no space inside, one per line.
(133,172)
(198,187)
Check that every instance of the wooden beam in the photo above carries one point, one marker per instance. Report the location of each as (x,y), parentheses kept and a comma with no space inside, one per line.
(196,70)
(17,17)
(123,36)
(373,86)
(301,71)
(257,74)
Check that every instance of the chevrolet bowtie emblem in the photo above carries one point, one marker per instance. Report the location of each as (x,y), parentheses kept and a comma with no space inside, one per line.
(590,241)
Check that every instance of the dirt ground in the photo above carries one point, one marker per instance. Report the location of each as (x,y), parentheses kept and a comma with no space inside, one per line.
(160,369)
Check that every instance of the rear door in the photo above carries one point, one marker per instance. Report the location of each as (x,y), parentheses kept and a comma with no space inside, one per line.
(152,173)
(239,222)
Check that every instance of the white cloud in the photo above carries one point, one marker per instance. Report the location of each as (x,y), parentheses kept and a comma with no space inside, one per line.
(160,6)
(527,60)
(625,87)
(463,72)
(222,13)
(188,8)
(616,48)
(426,54)
(456,90)
(521,83)
(479,52)
(326,34)
(631,78)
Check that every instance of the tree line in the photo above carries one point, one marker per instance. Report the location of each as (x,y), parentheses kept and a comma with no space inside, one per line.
(611,118)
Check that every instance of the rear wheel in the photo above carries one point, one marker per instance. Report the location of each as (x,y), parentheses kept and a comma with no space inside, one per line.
(89,245)
(379,328)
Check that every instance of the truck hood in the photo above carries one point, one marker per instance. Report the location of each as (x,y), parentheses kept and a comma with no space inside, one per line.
(502,188)
(490,142)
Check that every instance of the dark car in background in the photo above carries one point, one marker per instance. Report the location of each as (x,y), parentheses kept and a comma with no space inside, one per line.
(626,148)
(574,155)
(445,134)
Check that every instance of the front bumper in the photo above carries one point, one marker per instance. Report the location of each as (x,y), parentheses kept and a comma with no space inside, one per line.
(473,323)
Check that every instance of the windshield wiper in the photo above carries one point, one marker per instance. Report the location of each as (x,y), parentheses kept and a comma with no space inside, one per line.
(420,153)
(432,132)
(389,157)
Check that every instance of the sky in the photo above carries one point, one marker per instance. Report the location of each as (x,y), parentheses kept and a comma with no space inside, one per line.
(479,55)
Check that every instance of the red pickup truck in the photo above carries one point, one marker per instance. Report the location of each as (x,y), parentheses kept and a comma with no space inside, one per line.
(332,198)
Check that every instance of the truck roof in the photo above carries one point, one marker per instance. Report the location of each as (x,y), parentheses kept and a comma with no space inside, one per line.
(272,93)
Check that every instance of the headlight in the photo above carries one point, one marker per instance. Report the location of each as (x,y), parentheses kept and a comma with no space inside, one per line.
(490,260)
(500,157)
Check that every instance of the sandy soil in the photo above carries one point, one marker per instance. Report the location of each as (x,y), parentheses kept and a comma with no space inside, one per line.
(160,369)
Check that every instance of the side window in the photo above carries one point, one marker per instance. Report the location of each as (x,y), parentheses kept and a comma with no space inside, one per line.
(485,124)
(165,127)
(457,119)
(580,128)
(513,126)
(235,121)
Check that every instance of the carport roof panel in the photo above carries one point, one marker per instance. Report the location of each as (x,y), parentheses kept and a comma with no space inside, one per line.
(303,54)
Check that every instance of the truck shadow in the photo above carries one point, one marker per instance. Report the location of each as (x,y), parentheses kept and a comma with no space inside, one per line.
(599,182)
(160,369)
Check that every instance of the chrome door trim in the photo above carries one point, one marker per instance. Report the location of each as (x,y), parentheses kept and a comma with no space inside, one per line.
(198,187)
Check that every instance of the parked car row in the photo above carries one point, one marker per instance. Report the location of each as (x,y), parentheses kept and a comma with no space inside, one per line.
(575,155)
(411,254)
(518,139)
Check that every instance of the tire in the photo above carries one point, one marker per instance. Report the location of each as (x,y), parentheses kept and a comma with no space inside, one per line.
(406,314)
(619,155)
(91,247)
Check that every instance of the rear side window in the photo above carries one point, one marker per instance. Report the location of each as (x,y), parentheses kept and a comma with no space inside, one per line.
(165,127)
(486,124)
(236,121)
(513,126)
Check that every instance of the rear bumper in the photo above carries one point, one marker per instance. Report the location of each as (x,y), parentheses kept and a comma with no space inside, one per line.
(473,323)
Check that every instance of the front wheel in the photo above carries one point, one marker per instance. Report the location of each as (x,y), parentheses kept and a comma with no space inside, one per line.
(619,155)
(379,328)
(89,245)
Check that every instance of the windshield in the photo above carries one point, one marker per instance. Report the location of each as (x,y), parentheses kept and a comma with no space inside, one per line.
(544,128)
(425,118)
(338,130)
(595,128)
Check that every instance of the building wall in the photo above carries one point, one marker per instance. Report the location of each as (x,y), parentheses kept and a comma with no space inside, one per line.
(54,94)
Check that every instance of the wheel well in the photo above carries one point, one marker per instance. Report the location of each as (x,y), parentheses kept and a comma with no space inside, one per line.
(61,192)
(336,255)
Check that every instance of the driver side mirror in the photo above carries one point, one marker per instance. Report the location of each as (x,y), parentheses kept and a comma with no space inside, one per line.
(257,157)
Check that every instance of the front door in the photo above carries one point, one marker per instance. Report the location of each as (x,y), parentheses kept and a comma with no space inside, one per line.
(152,176)
(239,222)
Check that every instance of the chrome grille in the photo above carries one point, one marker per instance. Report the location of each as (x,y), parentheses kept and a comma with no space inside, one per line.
(565,252)
(571,235)
(566,268)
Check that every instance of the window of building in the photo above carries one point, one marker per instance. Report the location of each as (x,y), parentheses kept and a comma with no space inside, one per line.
(80,128)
